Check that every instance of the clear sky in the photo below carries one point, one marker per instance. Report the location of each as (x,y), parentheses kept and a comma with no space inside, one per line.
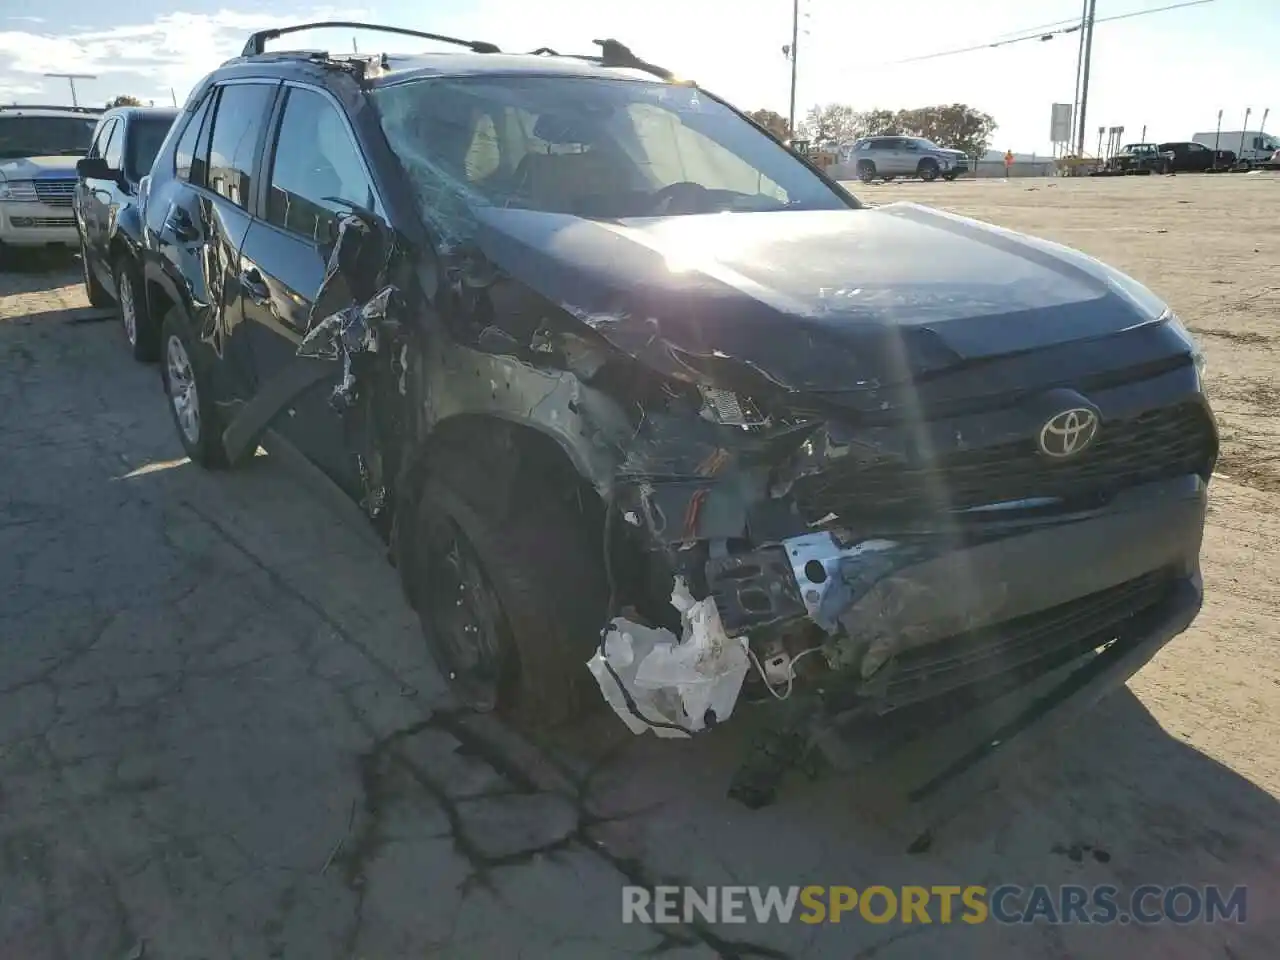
(1169,71)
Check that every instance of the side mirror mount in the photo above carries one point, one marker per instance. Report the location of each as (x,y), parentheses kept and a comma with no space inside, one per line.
(94,168)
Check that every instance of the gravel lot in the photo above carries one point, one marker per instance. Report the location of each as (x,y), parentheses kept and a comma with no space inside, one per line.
(220,736)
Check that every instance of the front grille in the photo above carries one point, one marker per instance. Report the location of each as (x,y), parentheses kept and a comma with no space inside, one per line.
(42,222)
(56,193)
(1158,444)
(1021,648)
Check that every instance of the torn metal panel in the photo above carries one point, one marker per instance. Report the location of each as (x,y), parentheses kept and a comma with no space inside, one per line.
(351,331)
(587,423)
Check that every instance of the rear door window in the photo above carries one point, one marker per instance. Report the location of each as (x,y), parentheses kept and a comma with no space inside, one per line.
(146,135)
(238,122)
(191,155)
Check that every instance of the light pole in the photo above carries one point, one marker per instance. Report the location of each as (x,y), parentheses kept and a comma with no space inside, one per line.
(1084,73)
(1075,103)
(1240,152)
(795,40)
(72,78)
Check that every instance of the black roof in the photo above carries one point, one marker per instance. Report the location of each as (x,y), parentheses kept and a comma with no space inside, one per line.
(474,58)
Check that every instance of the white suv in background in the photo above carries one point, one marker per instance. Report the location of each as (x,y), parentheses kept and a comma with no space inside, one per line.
(39,147)
(895,156)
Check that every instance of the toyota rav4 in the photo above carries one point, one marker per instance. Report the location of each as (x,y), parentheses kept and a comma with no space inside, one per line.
(644,405)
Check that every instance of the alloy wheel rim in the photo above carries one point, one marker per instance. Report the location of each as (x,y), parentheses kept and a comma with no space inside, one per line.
(464,618)
(127,314)
(182,389)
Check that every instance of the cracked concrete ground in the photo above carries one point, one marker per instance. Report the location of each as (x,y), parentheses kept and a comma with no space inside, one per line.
(220,737)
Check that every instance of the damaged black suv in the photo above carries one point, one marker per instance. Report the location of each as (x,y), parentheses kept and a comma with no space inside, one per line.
(632,392)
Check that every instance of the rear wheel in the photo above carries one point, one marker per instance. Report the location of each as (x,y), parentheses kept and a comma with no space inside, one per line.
(189,387)
(927,170)
(512,596)
(143,339)
(866,171)
(95,291)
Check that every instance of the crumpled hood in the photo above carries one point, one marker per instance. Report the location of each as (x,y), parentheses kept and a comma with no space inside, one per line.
(821,300)
(28,168)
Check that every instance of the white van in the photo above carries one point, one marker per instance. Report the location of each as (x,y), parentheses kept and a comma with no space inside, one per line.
(1251,147)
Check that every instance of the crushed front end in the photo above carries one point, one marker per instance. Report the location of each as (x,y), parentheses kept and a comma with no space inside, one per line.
(873,564)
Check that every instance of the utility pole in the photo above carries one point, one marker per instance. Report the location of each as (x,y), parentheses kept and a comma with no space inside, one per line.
(1084,73)
(795,40)
(72,78)
(1075,102)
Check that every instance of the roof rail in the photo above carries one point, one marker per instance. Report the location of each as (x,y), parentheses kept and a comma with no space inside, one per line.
(51,106)
(613,54)
(256,44)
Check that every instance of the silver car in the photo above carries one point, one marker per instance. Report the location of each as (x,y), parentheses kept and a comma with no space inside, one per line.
(889,157)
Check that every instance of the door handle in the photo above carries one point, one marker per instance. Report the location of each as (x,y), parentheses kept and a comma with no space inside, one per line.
(254,287)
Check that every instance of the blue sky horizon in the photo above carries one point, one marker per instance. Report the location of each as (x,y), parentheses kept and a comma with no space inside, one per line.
(1170,72)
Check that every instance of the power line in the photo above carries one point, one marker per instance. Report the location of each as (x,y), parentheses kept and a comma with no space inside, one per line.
(1039,33)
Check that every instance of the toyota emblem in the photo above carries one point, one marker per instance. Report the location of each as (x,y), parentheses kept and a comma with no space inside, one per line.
(1068,433)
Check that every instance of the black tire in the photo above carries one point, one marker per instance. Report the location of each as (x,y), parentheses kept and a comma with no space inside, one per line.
(203,443)
(95,291)
(140,333)
(866,171)
(526,577)
(927,170)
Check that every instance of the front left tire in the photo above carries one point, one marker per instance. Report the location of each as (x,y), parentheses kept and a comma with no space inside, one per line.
(511,593)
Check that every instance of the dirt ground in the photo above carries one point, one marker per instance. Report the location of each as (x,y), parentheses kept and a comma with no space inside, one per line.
(220,735)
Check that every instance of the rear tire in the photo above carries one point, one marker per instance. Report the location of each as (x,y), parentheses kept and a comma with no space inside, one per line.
(188,385)
(866,171)
(95,291)
(139,332)
(512,596)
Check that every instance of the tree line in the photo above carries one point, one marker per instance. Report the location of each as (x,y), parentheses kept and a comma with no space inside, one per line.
(957,126)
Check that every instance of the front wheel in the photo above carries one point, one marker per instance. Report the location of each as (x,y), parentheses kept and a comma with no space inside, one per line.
(927,171)
(512,597)
(866,171)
